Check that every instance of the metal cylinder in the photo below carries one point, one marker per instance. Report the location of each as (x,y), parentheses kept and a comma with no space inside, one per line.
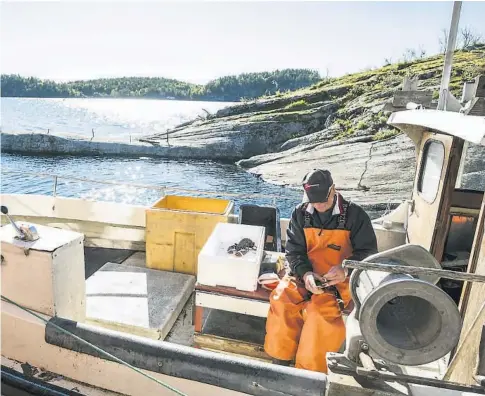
(405,320)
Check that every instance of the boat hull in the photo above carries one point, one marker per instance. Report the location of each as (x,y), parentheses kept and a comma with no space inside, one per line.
(26,338)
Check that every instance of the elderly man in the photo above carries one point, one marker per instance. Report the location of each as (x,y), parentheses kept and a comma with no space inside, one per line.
(305,320)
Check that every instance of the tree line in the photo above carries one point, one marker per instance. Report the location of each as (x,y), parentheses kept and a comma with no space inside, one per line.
(467,40)
(228,88)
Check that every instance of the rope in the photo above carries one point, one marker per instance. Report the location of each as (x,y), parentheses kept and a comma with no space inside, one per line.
(103,352)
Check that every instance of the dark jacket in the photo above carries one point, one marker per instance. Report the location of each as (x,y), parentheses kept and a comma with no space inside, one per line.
(362,235)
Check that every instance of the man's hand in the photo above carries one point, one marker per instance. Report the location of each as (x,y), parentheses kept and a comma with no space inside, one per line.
(336,275)
(310,285)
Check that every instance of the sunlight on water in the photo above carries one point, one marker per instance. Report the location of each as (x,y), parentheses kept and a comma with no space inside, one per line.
(198,176)
(108,117)
(122,118)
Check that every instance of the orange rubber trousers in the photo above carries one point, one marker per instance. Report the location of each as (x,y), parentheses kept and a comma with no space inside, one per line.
(307,340)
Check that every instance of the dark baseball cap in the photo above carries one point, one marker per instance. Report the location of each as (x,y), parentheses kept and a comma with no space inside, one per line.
(317,185)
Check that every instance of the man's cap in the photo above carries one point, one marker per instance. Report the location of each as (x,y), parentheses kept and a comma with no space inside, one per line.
(316,184)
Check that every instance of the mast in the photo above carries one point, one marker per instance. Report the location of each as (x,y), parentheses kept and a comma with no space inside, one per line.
(445,81)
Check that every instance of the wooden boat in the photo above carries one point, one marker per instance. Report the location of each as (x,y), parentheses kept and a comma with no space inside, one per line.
(87,310)
(112,232)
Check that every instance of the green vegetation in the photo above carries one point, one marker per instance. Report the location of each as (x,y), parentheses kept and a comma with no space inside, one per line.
(385,134)
(359,92)
(345,134)
(296,105)
(229,88)
(466,65)
(255,85)
(360,97)
(361,125)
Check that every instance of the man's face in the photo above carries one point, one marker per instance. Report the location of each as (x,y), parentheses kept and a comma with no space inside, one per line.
(324,206)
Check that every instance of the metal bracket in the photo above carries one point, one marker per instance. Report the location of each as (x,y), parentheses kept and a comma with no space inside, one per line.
(340,364)
(24,232)
(380,371)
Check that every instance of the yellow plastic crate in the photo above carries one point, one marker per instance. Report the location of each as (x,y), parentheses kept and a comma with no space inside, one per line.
(177,227)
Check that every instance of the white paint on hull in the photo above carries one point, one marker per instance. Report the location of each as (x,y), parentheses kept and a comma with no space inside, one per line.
(23,340)
(122,226)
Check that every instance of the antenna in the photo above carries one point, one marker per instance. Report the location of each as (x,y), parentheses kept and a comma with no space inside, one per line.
(445,81)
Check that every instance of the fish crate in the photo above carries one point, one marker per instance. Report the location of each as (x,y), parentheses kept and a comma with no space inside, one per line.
(177,227)
(217,267)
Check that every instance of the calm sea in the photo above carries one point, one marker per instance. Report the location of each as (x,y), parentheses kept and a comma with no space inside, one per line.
(121,118)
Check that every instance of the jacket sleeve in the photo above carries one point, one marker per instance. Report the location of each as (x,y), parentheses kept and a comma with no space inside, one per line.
(362,235)
(296,251)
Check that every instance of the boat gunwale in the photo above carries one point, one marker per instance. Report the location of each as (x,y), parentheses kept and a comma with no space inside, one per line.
(236,373)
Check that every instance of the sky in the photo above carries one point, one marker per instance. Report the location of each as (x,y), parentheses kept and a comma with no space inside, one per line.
(197,41)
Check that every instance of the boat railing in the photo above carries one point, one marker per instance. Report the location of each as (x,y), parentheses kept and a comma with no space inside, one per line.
(162,189)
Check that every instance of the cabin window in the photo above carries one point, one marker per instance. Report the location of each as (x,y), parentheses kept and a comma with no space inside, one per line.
(432,164)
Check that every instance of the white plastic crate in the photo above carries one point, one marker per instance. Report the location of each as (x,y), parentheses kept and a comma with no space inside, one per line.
(217,267)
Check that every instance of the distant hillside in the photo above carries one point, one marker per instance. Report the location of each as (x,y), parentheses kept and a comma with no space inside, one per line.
(229,88)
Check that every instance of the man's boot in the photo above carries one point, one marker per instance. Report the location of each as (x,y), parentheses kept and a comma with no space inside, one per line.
(281,362)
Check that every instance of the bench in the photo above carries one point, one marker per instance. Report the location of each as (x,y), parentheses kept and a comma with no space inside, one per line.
(254,304)
(228,299)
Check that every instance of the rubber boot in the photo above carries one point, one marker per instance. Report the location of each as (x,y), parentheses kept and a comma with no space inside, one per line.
(281,362)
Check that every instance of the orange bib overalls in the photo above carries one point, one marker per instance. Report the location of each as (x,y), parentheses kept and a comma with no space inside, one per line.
(288,334)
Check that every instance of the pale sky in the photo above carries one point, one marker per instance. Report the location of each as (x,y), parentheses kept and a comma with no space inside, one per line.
(198,41)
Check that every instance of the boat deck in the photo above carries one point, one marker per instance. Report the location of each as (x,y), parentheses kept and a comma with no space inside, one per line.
(222,331)
(221,324)
(96,257)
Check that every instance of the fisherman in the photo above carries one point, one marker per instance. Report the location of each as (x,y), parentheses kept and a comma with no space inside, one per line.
(305,318)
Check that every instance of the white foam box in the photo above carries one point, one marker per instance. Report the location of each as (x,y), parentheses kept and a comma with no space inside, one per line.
(217,267)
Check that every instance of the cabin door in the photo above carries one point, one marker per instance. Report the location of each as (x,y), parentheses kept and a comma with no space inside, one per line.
(430,187)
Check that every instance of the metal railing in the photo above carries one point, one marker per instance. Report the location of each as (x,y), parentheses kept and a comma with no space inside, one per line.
(163,189)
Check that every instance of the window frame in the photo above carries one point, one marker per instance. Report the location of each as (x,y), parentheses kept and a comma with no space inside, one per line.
(424,157)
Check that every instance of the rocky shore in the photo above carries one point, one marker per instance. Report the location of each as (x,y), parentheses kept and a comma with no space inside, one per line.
(339,124)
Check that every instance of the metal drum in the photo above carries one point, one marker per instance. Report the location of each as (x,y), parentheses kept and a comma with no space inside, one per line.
(404,319)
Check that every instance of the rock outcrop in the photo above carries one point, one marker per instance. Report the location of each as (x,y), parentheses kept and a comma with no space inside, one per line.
(338,124)
(38,143)
(370,172)
(247,134)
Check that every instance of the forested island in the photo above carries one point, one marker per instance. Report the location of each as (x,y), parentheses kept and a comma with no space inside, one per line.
(228,88)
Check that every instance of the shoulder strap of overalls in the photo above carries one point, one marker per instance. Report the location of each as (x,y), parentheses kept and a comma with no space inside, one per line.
(307,217)
(342,218)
